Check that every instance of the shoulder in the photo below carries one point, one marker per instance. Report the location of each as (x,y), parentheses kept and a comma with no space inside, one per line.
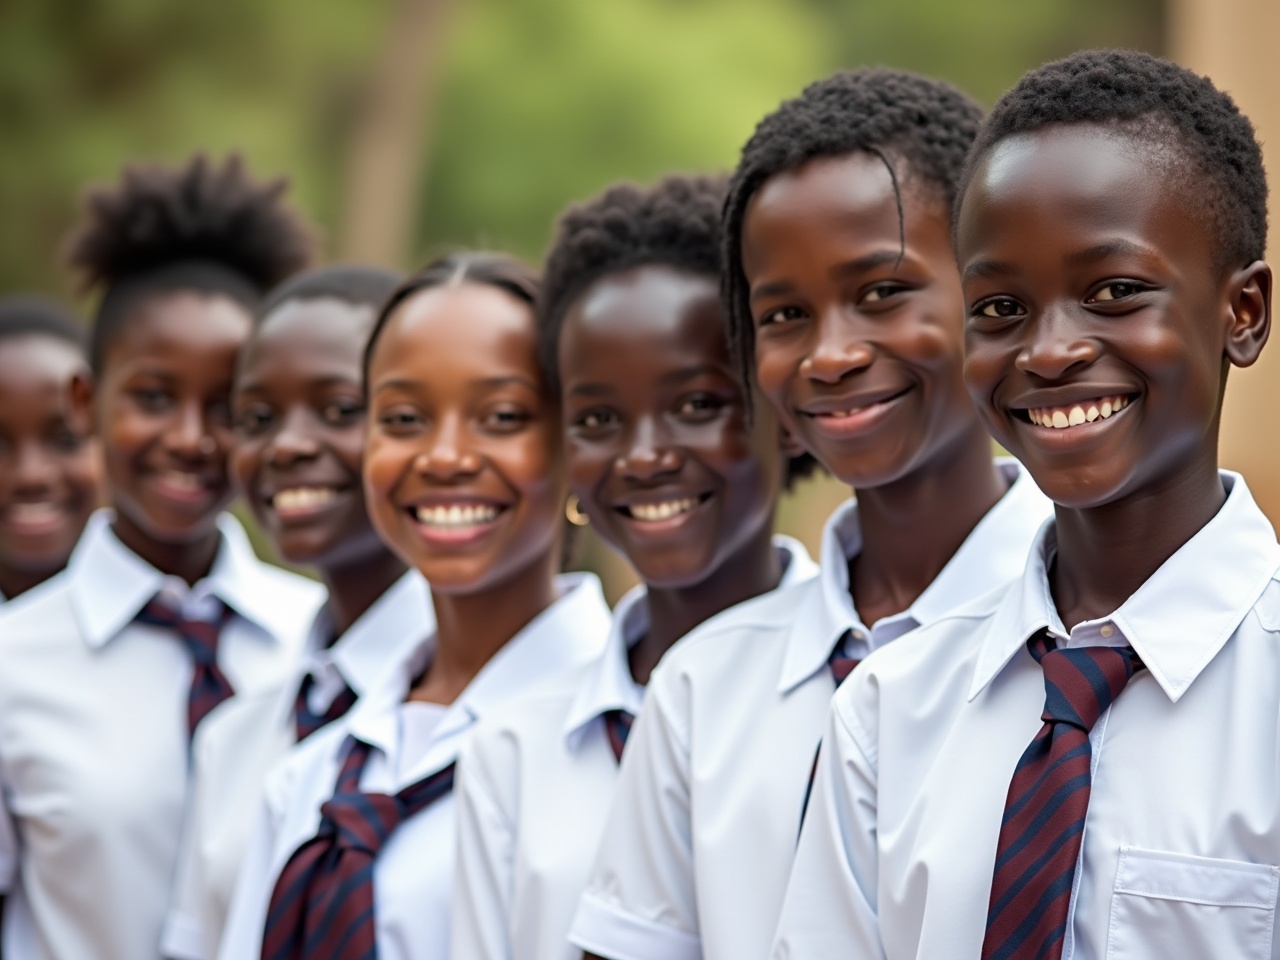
(289,587)
(39,615)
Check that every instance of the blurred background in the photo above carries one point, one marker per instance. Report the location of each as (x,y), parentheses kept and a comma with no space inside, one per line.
(409,126)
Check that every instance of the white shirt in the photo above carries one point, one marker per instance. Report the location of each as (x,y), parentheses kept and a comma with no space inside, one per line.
(413,875)
(534,788)
(94,752)
(705,816)
(239,741)
(1181,848)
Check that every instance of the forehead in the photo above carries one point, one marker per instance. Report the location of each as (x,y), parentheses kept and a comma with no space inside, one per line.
(303,333)
(471,330)
(33,362)
(182,326)
(646,315)
(1080,179)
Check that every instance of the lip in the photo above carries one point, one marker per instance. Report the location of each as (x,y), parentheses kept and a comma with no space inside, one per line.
(302,501)
(688,506)
(459,520)
(1071,436)
(183,487)
(855,414)
(35,518)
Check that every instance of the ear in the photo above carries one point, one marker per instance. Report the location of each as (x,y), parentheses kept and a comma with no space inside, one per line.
(82,400)
(1249,313)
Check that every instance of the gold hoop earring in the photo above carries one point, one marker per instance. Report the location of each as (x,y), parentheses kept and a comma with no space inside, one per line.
(574,513)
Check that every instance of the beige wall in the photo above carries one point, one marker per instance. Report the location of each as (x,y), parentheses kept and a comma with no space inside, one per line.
(1237,43)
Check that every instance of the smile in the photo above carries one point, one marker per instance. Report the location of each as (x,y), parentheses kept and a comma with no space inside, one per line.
(35,517)
(857,418)
(663,510)
(302,499)
(1065,417)
(456,516)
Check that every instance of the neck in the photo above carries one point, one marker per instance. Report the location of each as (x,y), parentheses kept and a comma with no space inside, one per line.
(355,586)
(911,528)
(471,628)
(14,583)
(190,561)
(1106,553)
(674,611)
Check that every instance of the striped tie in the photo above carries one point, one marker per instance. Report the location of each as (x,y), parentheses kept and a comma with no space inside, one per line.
(840,666)
(305,722)
(617,725)
(1048,799)
(209,685)
(322,907)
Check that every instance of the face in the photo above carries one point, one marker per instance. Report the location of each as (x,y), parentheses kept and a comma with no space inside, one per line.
(657,442)
(859,338)
(50,471)
(462,472)
(1099,328)
(164,416)
(298,407)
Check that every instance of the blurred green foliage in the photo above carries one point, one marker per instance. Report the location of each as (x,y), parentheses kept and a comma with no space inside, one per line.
(541,101)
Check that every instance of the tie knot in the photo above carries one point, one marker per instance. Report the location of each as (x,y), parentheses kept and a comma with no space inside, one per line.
(201,636)
(361,821)
(1080,683)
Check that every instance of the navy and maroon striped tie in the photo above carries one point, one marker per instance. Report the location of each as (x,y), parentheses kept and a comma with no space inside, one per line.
(322,907)
(306,722)
(840,665)
(209,685)
(617,725)
(1048,799)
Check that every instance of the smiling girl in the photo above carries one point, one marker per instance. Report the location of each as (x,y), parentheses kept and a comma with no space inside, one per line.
(464,481)
(163,611)
(50,468)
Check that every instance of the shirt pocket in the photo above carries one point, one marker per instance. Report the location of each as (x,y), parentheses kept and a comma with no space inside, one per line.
(1173,905)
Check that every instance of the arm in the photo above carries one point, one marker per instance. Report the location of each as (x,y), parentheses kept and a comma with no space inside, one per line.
(830,906)
(640,901)
(484,883)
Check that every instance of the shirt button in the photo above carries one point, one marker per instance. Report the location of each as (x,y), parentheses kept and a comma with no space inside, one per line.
(1107,631)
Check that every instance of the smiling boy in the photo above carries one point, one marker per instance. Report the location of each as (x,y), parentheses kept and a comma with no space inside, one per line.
(1093,748)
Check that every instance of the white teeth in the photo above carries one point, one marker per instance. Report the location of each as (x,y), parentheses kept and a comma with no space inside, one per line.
(300,498)
(33,512)
(1060,418)
(183,481)
(651,512)
(457,515)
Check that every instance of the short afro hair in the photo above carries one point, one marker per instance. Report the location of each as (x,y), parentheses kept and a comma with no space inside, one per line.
(201,227)
(675,223)
(1159,103)
(27,315)
(924,124)
(354,284)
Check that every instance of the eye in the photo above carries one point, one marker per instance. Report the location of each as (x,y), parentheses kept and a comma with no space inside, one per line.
(882,292)
(66,440)
(596,419)
(254,419)
(399,420)
(700,406)
(151,399)
(343,412)
(1114,290)
(1000,308)
(780,315)
(505,419)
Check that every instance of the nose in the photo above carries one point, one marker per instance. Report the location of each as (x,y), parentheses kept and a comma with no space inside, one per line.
(33,468)
(649,453)
(190,434)
(448,452)
(292,443)
(838,349)
(1057,343)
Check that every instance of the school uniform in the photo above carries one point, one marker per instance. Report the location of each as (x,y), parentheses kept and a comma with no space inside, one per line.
(705,816)
(240,741)
(397,746)
(1181,840)
(96,708)
(534,787)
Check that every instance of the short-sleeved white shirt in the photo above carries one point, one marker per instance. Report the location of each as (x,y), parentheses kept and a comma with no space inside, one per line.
(705,816)
(1181,847)
(240,740)
(534,787)
(413,876)
(94,753)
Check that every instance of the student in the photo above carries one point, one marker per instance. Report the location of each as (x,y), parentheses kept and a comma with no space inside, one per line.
(667,464)
(299,411)
(1083,763)
(50,470)
(163,610)
(464,480)
(845,305)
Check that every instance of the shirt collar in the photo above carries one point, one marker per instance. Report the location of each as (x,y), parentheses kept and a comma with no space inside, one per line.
(403,615)
(109,583)
(568,633)
(1178,620)
(992,554)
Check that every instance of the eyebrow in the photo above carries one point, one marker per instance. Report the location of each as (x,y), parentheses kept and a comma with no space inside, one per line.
(411,385)
(1101,251)
(256,386)
(860,265)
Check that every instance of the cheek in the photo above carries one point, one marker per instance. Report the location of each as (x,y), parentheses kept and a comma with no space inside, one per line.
(777,363)
(587,465)
(384,463)
(244,463)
